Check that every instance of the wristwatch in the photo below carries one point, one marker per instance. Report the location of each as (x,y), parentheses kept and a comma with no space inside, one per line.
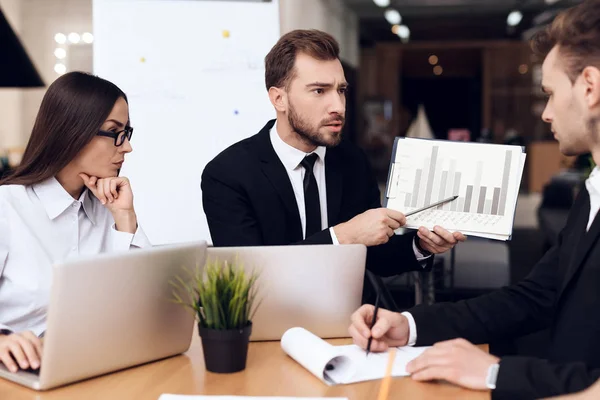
(492,376)
(422,250)
(5,332)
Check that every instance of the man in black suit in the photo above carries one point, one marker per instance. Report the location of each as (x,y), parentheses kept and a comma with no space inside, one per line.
(562,292)
(296,182)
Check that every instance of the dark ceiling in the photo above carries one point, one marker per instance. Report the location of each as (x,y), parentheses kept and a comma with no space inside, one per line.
(442,20)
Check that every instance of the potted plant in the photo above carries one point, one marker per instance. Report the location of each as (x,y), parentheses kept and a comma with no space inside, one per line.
(222,296)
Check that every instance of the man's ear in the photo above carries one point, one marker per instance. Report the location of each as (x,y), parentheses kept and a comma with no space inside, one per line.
(278,98)
(591,80)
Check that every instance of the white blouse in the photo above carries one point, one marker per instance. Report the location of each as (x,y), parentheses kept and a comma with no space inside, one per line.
(40,225)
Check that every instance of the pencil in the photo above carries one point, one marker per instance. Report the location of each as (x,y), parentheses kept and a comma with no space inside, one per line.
(437,203)
(384,389)
(373,323)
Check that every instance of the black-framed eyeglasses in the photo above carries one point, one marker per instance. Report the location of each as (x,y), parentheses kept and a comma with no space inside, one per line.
(119,136)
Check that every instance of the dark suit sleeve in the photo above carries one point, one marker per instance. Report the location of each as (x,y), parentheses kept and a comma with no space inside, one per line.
(509,312)
(231,218)
(531,378)
(397,255)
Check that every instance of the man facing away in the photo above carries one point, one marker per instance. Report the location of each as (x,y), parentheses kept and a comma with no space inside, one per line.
(562,292)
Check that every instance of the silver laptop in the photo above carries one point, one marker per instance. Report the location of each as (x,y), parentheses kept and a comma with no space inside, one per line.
(111,312)
(314,287)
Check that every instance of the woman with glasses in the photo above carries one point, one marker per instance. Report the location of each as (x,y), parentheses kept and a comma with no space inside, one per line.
(65,199)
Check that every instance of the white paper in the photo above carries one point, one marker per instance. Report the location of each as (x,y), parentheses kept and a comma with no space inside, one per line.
(343,364)
(486,178)
(194,397)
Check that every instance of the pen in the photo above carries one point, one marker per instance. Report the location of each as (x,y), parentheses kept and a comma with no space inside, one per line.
(373,323)
(437,203)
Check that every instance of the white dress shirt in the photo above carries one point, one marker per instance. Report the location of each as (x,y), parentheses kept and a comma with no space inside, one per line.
(592,185)
(290,158)
(40,225)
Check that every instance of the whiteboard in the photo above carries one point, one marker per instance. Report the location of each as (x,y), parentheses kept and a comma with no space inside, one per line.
(194,75)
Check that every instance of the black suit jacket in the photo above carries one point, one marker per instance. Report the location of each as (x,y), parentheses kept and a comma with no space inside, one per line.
(562,293)
(249,201)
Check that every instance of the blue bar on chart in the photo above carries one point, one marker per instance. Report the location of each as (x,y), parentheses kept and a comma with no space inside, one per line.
(423,184)
(407,200)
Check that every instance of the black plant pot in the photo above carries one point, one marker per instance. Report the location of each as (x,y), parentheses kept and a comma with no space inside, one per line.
(225,351)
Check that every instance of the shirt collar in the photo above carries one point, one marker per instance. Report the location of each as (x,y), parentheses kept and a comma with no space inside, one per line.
(289,155)
(593,181)
(56,199)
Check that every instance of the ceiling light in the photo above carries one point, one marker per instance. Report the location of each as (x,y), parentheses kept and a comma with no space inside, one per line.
(395,29)
(514,18)
(60,38)
(438,70)
(87,37)
(60,53)
(382,3)
(403,32)
(393,16)
(74,37)
(433,59)
(60,68)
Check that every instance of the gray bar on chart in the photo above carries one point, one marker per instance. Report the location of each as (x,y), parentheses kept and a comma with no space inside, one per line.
(443,187)
(495,201)
(423,184)
(407,200)
(504,190)
(455,192)
(434,154)
(481,202)
(468,198)
(461,202)
(450,184)
(415,192)
(478,174)
(488,207)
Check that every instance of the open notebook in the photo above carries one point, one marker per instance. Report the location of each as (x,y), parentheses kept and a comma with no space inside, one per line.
(342,364)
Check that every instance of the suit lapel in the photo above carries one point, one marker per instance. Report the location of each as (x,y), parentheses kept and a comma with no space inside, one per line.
(276,174)
(333,179)
(585,242)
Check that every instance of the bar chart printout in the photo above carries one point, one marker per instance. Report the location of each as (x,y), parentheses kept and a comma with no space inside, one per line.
(485,177)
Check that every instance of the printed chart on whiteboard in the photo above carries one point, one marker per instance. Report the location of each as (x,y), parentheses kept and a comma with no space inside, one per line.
(485,177)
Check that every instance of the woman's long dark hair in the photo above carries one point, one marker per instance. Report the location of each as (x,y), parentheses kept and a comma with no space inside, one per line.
(72,111)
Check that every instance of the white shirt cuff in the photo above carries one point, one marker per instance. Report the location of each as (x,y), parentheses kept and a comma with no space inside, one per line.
(334,238)
(123,241)
(418,254)
(412,329)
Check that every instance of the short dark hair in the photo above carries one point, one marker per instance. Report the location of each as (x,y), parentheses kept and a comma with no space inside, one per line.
(72,111)
(577,33)
(279,63)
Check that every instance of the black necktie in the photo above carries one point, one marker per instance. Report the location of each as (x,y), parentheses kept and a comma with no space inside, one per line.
(312,205)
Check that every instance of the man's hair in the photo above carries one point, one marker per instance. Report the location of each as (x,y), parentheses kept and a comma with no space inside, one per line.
(279,63)
(576,32)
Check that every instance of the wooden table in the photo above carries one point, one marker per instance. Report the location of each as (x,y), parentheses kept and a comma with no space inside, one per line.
(269,372)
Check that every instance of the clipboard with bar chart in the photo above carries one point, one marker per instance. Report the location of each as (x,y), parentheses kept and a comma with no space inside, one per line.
(485,177)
